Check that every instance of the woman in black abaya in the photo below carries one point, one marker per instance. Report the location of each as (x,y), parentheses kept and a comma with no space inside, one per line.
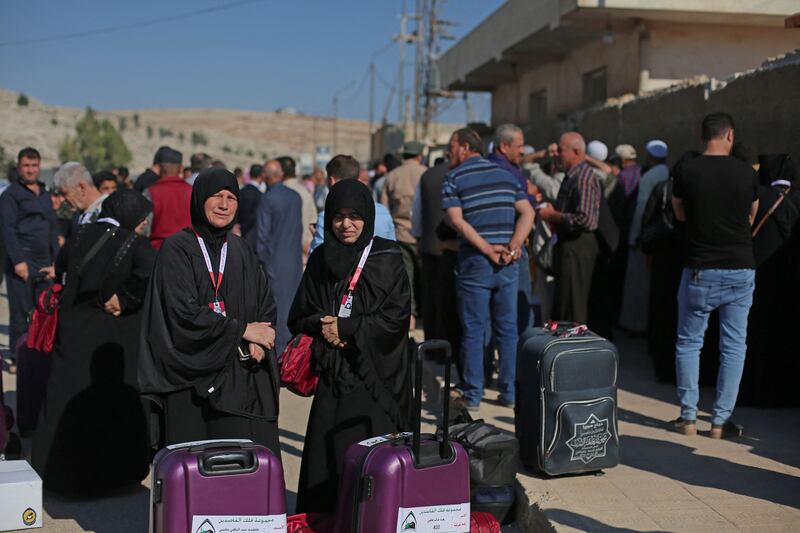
(771,365)
(92,435)
(364,388)
(207,331)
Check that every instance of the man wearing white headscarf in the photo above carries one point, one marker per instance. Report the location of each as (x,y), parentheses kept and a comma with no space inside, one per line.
(636,293)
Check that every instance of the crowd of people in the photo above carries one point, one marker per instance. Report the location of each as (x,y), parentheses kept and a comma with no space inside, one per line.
(183,286)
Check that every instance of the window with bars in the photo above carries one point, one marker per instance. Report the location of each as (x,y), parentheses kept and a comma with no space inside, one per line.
(595,87)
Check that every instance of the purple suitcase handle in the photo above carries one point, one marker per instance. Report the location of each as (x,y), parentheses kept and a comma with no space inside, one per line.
(433,345)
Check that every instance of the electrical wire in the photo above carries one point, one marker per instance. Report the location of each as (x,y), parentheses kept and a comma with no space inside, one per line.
(131,26)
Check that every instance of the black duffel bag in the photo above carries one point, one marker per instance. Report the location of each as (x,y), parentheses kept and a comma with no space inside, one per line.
(492,467)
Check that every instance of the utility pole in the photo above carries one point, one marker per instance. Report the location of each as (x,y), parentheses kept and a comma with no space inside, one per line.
(371,107)
(436,30)
(405,38)
(335,122)
(419,62)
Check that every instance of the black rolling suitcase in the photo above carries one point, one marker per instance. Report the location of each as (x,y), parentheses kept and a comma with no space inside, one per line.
(566,410)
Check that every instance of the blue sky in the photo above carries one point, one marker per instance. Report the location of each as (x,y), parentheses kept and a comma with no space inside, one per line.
(260,55)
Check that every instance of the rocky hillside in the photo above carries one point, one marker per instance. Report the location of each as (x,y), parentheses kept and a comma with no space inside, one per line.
(239,138)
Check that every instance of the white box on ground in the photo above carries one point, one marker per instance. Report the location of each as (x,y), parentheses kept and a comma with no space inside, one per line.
(20,496)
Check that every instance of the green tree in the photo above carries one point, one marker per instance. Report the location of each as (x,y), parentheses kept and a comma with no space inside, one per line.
(149,132)
(123,123)
(136,120)
(181,137)
(22,100)
(164,132)
(199,139)
(96,144)
(54,121)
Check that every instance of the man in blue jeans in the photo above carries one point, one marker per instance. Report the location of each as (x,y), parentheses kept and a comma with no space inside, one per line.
(717,196)
(482,201)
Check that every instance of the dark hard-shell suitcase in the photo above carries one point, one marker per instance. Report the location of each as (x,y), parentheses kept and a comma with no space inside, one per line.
(33,372)
(566,410)
(211,485)
(407,481)
(493,457)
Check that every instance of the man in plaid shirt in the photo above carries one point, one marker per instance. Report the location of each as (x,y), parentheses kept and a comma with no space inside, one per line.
(575,220)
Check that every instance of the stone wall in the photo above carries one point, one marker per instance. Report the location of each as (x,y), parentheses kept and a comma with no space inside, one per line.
(765,103)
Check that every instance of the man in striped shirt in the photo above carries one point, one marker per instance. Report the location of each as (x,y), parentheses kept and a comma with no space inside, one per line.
(482,201)
(575,219)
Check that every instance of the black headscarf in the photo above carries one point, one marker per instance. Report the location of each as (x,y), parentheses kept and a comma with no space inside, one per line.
(775,167)
(340,258)
(208,183)
(127,207)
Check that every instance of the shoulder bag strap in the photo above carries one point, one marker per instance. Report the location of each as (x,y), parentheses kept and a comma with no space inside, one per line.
(95,248)
(772,209)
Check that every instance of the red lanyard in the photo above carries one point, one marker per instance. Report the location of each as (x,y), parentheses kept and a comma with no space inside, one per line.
(222,259)
(346,306)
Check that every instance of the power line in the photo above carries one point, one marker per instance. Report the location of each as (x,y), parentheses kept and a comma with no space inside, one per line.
(130,26)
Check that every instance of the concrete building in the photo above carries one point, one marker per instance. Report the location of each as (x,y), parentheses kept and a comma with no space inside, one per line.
(545,59)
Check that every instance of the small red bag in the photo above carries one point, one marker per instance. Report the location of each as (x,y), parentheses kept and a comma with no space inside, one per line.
(310,523)
(42,330)
(296,372)
(483,523)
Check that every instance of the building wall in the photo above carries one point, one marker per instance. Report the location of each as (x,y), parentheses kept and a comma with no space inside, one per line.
(673,52)
(667,54)
(765,105)
(563,79)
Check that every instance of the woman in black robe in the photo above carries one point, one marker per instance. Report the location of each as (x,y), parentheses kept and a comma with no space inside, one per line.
(364,388)
(207,335)
(772,365)
(92,435)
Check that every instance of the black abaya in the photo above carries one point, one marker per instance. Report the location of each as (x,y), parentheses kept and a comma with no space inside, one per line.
(365,388)
(92,434)
(189,353)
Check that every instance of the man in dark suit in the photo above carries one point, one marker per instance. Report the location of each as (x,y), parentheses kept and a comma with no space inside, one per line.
(279,244)
(249,198)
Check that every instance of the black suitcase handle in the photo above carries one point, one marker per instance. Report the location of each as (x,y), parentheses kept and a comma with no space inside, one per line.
(229,462)
(433,345)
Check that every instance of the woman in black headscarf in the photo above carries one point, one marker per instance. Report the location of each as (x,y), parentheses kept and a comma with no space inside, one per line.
(92,435)
(359,349)
(207,335)
(771,365)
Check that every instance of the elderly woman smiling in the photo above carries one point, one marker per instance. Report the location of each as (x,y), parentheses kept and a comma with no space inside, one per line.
(354,301)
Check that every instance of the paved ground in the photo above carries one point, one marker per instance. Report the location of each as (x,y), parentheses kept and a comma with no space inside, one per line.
(667,482)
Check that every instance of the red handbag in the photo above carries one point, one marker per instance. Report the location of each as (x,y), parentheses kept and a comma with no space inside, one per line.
(296,372)
(42,330)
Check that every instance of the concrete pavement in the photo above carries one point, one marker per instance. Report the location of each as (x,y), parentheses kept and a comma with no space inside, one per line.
(666,482)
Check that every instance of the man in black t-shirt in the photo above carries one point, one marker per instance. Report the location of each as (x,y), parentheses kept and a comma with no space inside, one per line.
(717,196)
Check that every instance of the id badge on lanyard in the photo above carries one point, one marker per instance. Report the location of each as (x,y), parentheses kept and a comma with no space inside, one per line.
(216,305)
(346,307)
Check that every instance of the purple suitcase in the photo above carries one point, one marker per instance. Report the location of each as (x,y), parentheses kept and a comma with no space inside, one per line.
(408,481)
(33,372)
(213,485)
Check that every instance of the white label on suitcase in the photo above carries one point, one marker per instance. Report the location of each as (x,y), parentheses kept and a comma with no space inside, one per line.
(240,524)
(369,443)
(434,519)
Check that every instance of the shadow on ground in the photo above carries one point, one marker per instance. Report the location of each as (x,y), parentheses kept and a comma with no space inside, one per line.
(679,462)
(123,512)
(584,523)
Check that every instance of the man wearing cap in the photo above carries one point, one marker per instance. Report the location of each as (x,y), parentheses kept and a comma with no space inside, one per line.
(398,197)
(171,196)
(150,176)
(635,295)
